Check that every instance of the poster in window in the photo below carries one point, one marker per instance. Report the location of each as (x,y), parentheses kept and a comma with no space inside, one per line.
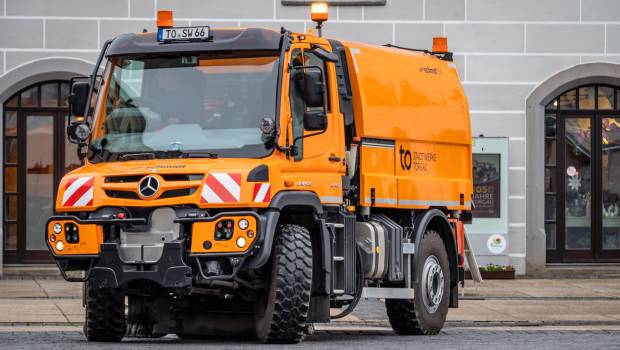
(487,182)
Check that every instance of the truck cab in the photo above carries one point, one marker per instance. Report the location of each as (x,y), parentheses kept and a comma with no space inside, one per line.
(228,187)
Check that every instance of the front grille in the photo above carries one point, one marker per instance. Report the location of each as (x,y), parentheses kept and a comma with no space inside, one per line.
(182,177)
(167,177)
(131,194)
(178,193)
(121,194)
(123,178)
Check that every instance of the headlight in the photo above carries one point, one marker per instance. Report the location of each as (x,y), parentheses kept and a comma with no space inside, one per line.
(60,246)
(243,224)
(57,228)
(241,242)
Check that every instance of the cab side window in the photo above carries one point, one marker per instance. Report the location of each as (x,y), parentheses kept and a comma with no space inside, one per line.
(296,94)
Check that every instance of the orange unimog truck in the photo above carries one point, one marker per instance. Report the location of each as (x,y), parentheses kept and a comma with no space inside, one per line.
(243,182)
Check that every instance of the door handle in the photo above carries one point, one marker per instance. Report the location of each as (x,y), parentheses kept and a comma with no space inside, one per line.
(334,158)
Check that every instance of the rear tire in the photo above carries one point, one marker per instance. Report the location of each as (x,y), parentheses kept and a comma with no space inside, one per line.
(426,314)
(140,317)
(282,312)
(105,314)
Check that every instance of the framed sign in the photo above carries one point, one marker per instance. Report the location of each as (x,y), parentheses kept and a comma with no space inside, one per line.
(487,185)
(490,192)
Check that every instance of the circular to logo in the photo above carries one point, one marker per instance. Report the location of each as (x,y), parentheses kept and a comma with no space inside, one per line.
(496,244)
(148,186)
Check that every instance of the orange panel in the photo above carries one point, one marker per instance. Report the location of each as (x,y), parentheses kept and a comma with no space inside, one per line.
(401,94)
(433,175)
(91,236)
(377,169)
(205,231)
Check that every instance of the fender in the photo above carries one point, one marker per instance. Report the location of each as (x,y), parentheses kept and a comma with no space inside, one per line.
(269,220)
(440,220)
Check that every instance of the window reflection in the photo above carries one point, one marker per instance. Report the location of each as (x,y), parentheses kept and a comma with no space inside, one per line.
(605,97)
(569,100)
(10,123)
(10,236)
(611,182)
(49,95)
(578,183)
(587,98)
(30,97)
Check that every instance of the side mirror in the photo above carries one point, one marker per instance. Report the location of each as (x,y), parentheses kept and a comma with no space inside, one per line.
(315,120)
(78,99)
(314,88)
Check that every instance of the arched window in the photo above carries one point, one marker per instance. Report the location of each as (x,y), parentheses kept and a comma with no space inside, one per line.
(36,156)
(582,175)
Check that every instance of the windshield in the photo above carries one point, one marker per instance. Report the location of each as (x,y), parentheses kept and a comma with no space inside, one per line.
(200,105)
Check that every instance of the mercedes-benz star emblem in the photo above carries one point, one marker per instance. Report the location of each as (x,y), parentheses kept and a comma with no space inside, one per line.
(148,186)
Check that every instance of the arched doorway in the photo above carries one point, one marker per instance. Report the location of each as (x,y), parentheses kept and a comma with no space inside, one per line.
(582,175)
(36,156)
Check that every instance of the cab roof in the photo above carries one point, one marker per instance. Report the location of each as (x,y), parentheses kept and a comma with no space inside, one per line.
(235,39)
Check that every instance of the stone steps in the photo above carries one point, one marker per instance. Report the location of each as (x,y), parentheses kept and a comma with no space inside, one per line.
(600,270)
(31,271)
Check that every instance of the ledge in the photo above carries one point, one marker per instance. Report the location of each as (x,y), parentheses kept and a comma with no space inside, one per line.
(336,2)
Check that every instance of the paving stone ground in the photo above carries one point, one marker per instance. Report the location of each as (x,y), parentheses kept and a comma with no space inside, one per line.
(451,338)
(533,301)
(519,314)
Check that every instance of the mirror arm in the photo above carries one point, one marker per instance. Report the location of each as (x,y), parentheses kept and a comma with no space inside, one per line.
(93,76)
(309,135)
(323,54)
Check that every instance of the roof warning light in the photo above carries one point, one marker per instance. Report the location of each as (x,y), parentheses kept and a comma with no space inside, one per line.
(319,13)
(164,19)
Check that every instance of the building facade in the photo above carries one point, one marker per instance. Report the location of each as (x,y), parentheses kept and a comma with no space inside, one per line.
(541,75)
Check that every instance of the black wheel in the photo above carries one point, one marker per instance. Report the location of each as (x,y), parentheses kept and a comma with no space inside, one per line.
(426,314)
(105,314)
(141,318)
(282,311)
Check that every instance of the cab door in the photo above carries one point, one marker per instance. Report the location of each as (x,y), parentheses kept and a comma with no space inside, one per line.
(318,158)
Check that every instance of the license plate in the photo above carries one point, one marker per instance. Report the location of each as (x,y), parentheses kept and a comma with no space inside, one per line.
(183,33)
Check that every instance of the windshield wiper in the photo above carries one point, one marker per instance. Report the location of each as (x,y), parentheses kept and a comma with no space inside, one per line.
(199,154)
(166,155)
(137,156)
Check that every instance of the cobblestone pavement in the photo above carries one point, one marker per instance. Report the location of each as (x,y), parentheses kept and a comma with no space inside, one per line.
(548,338)
(522,314)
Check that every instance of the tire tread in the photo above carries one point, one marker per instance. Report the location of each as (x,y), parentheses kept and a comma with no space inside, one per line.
(105,315)
(293,282)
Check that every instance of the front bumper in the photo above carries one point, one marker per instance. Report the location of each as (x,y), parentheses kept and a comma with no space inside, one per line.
(106,266)
(169,271)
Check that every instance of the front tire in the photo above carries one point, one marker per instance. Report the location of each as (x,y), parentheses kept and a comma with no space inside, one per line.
(426,314)
(105,314)
(282,312)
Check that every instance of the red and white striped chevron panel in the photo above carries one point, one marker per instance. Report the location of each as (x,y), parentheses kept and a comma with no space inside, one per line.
(79,192)
(221,188)
(262,193)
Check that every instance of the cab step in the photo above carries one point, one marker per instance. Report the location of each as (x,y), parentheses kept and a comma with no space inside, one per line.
(388,293)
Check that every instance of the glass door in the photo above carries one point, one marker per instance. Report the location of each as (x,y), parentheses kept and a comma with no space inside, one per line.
(582,175)
(577,174)
(39,178)
(609,245)
(36,156)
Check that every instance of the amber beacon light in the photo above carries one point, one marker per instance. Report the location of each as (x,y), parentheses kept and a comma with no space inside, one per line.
(319,13)
(164,19)
(440,44)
